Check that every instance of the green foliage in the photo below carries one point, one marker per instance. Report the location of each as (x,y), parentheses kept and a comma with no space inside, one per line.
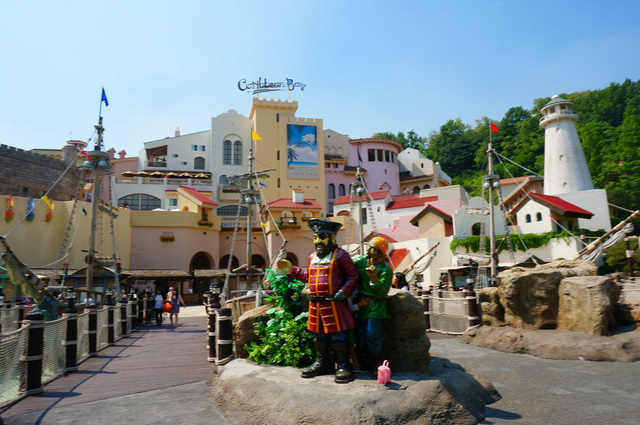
(284,338)
(411,140)
(616,258)
(521,242)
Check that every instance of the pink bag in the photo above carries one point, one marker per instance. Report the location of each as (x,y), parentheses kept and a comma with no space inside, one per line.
(384,373)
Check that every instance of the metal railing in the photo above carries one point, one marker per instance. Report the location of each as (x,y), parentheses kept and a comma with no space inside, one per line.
(450,312)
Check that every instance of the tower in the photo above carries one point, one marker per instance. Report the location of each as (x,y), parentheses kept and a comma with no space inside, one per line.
(565,167)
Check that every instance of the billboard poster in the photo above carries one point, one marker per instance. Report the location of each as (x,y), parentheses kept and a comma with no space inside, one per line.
(302,152)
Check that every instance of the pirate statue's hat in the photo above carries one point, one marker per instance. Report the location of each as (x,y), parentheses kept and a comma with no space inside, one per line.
(324,226)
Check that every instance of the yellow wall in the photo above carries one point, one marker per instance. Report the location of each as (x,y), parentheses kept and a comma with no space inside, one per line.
(431,226)
(271,118)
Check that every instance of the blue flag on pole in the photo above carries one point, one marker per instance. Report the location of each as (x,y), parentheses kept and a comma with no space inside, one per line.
(104,98)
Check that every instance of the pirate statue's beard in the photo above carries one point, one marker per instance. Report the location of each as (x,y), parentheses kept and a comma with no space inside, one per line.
(324,244)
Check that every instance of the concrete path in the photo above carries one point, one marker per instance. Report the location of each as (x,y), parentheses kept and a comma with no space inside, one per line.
(535,391)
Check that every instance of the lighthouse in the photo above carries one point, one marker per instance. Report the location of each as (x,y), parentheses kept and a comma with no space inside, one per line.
(565,168)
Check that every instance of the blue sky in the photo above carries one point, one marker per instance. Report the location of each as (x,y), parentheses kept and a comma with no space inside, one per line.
(368,66)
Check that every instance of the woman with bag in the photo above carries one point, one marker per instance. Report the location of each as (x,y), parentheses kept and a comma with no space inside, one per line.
(176,300)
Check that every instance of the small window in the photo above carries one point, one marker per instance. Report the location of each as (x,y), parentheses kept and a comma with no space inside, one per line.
(539,216)
(226,154)
(387,156)
(174,155)
(380,155)
(237,152)
(194,147)
(341,190)
(527,218)
(372,155)
(173,202)
(332,191)
(198,163)
(202,148)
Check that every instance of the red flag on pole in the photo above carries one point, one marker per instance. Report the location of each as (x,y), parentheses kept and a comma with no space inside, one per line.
(494,128)
(85,154)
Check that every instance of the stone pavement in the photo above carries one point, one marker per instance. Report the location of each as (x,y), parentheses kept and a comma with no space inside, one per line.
(534,391)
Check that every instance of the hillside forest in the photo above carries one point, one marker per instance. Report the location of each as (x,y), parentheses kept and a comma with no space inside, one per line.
(608,126)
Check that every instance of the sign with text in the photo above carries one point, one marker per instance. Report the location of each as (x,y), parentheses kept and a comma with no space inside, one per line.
(262,85)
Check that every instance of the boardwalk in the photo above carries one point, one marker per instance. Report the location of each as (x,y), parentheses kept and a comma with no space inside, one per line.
(149,359)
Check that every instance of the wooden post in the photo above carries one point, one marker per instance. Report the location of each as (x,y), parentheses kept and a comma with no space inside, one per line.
(110,324)
(426,297)
(224,333)
(123,319)
(93,330)
(211,333)
(71,344)
(32,381)
(141,309)
(472,307)
(134,314)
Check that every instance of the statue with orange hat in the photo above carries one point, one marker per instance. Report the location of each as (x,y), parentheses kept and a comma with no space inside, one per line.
(331,277)
(374,284)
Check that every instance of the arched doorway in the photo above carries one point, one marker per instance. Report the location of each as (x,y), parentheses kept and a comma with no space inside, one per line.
(293,258)
(224,262)
(258,261)
(201,260)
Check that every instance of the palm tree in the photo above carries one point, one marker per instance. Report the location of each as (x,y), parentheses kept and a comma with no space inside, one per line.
(291,154)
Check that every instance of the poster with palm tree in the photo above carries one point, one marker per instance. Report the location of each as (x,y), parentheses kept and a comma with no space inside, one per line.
(302,152)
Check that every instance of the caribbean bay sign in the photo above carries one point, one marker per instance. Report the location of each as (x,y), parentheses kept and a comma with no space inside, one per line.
(262,85)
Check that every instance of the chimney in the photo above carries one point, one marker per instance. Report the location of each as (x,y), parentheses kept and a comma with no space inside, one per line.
(298,196)
(122,153)
(177,131)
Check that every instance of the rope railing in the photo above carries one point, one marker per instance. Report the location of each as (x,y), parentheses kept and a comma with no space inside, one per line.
(17,365)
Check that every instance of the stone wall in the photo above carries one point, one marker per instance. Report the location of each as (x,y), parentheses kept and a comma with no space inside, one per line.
(27,174)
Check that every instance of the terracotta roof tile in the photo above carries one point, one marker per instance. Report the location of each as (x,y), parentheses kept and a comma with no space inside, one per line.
(410,202)
(561,206)
(199,196)
(397,255)
(375,196)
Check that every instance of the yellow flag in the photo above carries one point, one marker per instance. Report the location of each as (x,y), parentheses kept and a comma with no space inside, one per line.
(45,198)
(254,136)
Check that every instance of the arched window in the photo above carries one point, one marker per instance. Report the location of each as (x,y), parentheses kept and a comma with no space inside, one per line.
(237,152)
(538,216)
(416,189)
(332,191)
(226,154)
(198,163)
(224,180)
(527,218)
(476,229)
(140,201)
(340,190)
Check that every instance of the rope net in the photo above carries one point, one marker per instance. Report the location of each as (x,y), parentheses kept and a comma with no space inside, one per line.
(55,334)
(13,346)
(82,352)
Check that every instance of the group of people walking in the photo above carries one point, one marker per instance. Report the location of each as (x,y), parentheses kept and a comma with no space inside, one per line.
(169,304)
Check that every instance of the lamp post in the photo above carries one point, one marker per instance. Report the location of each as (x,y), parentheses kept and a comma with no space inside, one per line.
(359,190)
(71,300)
(215,288)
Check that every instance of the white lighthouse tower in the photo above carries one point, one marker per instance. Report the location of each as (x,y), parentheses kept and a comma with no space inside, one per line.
(566,174)
(565,168)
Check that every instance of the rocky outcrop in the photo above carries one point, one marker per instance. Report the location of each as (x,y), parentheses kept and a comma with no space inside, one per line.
(404,339)
(623,346)
(248,393)
(530,296)
(244,330)
(586,304)
(492,312)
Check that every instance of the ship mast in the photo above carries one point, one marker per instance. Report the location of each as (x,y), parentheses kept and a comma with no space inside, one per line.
(490,182)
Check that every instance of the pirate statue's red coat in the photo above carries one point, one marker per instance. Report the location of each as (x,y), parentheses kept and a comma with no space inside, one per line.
(326,276)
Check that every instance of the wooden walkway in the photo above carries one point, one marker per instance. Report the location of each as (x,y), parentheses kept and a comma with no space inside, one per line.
(150,358)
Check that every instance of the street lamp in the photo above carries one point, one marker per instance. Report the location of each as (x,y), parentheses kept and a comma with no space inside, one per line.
(71,300)
(215,288)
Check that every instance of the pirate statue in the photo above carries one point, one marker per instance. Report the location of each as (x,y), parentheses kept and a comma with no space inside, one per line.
(331,277)
(374,284)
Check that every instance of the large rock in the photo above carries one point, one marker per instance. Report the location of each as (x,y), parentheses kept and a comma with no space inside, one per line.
(586,304)
(491,311)
(250,394)
(404,337)
(244,331)
(623,346)
(530,296)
